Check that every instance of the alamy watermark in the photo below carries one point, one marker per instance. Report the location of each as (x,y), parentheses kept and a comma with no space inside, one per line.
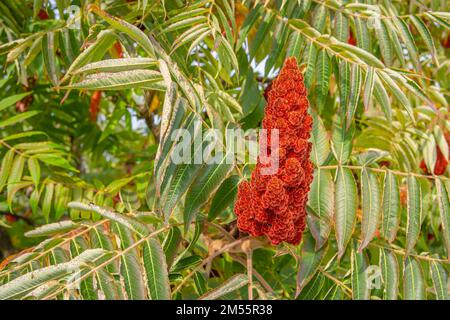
(373,276)
(211,146)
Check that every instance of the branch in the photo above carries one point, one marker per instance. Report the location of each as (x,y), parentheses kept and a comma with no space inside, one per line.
(381,16)
(320,43)
(250,274)
(105,263)
(347,290)
(258,276)
(210,258)
(403,253)
(399,173)
(44,253)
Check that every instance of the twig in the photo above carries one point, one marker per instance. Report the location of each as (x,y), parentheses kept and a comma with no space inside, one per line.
(257,275)
(250,273)
(399,173)
(381,16)
(346,290)
(8,146)
(403,253)
(44,253)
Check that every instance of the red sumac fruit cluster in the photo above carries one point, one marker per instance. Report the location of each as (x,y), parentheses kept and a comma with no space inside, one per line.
(275,205)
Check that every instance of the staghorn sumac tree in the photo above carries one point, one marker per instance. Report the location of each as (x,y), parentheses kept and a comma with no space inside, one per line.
(91,108)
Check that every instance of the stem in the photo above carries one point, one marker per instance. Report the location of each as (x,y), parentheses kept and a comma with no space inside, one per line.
(250,274)
(104,264)
(239,259)
(399,173)
(257,275)
(215,254)
(381,16)
(44,253)
(347,290)
(403,253)
(8,146)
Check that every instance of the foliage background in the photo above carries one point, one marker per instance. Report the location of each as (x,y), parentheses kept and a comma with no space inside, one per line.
(86,114)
